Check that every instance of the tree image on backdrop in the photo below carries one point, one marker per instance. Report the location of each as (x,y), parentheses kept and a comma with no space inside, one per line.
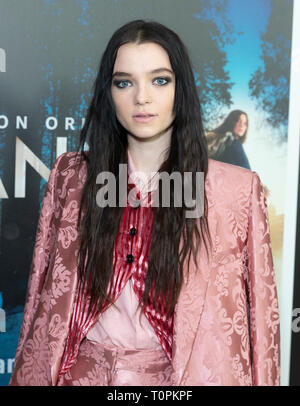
(270,85)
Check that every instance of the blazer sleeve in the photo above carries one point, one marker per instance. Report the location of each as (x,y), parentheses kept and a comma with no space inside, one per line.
(41,255)
(263,300)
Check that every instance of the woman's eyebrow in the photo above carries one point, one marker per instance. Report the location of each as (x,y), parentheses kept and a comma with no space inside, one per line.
(158,70)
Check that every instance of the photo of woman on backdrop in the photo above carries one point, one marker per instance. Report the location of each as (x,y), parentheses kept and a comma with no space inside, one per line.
(142,295)
(225,143)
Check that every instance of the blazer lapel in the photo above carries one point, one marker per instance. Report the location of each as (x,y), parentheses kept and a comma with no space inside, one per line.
(191,301)
(63,280)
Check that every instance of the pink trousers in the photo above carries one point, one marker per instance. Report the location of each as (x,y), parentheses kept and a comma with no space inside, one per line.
(102,365)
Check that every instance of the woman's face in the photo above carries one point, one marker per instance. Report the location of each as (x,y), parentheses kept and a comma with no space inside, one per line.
(241,125)
(143,82)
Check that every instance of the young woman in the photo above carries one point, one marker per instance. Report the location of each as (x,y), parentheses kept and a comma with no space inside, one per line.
(139,294)
(225,143)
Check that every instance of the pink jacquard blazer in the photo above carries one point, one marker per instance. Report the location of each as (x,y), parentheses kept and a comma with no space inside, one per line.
(226,325)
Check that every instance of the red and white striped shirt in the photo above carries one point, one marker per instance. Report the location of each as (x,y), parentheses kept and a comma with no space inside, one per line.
(131,254)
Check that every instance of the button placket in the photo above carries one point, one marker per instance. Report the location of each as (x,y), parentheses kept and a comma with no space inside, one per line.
(132,232)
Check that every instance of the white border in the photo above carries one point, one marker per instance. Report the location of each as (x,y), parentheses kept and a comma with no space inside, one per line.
(286,292)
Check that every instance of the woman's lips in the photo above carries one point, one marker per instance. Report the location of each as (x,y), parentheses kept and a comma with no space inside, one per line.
(143,119)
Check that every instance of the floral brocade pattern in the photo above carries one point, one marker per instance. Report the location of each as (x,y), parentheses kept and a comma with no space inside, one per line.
(237,341)
(226,322)
(98,365)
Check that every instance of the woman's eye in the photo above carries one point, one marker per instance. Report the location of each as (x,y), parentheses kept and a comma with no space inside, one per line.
(121,83)
(166,80)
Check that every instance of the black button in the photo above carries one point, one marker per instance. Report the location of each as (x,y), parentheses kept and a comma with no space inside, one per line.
(132,231)
(130,258)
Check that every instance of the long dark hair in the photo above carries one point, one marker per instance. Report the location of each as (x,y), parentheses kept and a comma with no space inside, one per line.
(229,124)
(107,141)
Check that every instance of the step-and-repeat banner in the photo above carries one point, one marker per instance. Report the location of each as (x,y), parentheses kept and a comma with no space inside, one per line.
(49,55)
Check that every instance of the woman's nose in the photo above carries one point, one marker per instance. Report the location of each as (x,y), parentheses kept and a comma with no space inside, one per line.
(142,95)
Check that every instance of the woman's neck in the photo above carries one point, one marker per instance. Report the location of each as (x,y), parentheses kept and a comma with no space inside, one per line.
(148,154)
